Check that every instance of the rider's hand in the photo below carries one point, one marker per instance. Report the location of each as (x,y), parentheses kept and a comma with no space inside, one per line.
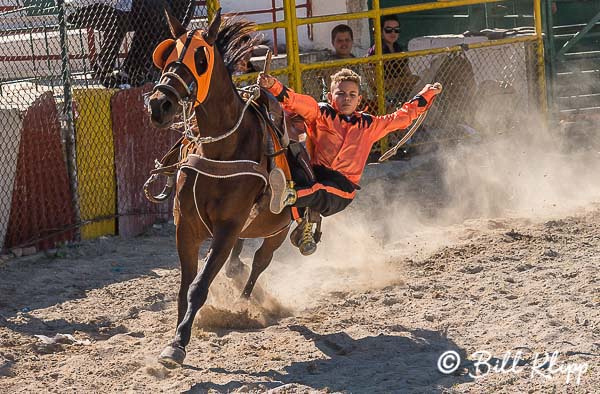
(265,80)
(427,94)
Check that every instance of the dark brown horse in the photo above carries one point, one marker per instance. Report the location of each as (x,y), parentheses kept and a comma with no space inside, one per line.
(225,181)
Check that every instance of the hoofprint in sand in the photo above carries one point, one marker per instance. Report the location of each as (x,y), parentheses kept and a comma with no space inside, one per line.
(391,288)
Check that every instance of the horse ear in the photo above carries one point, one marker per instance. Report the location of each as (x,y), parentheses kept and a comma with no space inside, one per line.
(177,30)
(211,35)
(162,52)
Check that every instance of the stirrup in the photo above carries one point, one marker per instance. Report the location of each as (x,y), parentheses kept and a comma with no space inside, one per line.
(307,245)
(281,194)
(296,234)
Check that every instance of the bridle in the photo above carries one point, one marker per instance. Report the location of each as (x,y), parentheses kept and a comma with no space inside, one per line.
(191,89)
(190,100)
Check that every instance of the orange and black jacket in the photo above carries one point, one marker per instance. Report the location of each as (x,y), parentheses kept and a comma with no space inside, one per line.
(339,142)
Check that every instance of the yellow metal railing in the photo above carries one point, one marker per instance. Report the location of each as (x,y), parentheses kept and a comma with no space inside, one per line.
(537,12)
(295,68)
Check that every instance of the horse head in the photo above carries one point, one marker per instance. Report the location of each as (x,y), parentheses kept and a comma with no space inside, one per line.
(197,62)
(188,63)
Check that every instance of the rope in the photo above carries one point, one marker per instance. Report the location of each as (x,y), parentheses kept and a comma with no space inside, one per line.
(253,90)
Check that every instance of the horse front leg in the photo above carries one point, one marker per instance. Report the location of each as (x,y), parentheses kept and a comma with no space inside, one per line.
(188,241)
(224,237)
(262,259)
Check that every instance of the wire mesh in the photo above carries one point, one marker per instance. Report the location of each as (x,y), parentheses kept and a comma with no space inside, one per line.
(483,88)
(61,64)
(74,143)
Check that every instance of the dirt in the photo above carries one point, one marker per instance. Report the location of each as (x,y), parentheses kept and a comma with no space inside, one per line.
(391,288)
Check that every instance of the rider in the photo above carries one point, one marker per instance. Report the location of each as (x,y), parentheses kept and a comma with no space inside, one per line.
(341,140)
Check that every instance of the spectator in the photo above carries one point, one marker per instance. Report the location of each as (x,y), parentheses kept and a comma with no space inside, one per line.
(399,80)
(342,40)
(390,32)
(114,18)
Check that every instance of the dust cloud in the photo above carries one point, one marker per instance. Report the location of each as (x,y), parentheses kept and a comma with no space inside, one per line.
(407,210)
(413,209)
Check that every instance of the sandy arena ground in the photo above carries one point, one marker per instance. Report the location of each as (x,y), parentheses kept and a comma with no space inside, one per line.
(477,251)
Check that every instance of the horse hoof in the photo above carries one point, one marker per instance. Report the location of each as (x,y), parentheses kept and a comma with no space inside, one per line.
(234,269)
(172,357)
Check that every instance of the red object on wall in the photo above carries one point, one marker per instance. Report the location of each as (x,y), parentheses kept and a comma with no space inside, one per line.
(42,211)
(137,144)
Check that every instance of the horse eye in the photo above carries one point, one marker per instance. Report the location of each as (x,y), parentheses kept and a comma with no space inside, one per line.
(200,60)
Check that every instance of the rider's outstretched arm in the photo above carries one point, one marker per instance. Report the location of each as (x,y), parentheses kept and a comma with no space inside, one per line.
(300,104)
(405,115)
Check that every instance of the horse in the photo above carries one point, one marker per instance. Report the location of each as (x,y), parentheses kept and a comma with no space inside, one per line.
(219,186)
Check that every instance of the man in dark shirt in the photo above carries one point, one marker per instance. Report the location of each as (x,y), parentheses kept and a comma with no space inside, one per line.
(390,31)
(114,18)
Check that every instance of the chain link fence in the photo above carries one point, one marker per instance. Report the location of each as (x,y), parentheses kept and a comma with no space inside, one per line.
(76,144)
(483,88)
(74,149)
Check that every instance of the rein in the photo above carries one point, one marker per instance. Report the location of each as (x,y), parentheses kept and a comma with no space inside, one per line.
(392,151)
(254,94)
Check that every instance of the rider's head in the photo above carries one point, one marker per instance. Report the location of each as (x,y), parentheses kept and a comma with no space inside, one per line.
(345,91)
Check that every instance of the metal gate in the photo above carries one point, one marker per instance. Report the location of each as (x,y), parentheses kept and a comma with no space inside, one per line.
(66,121)
(572,41)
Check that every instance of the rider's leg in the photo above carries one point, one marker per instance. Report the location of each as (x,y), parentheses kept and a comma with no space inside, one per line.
(325,197)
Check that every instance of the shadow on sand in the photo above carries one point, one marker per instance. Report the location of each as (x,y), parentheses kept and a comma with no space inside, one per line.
(405,361)
(38,282)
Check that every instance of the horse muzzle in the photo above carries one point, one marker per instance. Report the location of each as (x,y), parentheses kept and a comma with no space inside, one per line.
(162,109)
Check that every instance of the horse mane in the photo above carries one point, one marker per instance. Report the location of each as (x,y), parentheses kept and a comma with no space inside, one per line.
(235,40)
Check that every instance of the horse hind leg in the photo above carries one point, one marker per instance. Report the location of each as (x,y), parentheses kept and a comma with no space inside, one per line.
(235,266)
(262,259)
(223,241)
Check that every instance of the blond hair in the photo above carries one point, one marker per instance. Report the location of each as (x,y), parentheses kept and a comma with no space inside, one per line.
(344,75)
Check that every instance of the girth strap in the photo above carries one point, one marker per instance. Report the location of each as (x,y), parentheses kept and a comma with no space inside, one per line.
(224,169)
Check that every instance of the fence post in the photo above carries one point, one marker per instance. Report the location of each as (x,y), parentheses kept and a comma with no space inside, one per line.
(67,123)
(291,43)
(211,8)
(537,12)
(380,88)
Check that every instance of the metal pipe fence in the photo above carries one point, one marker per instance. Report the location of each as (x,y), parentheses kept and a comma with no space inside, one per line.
(76,144)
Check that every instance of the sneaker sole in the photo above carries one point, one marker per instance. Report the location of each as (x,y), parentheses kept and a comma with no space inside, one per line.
(308,248)
(277,182)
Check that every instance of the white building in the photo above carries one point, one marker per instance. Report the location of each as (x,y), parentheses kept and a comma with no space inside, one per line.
(321,36)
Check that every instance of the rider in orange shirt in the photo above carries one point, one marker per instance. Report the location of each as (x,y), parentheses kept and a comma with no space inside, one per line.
(341,139)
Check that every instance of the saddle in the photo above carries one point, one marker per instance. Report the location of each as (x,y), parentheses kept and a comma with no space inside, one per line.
(288,154)
(286,129)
